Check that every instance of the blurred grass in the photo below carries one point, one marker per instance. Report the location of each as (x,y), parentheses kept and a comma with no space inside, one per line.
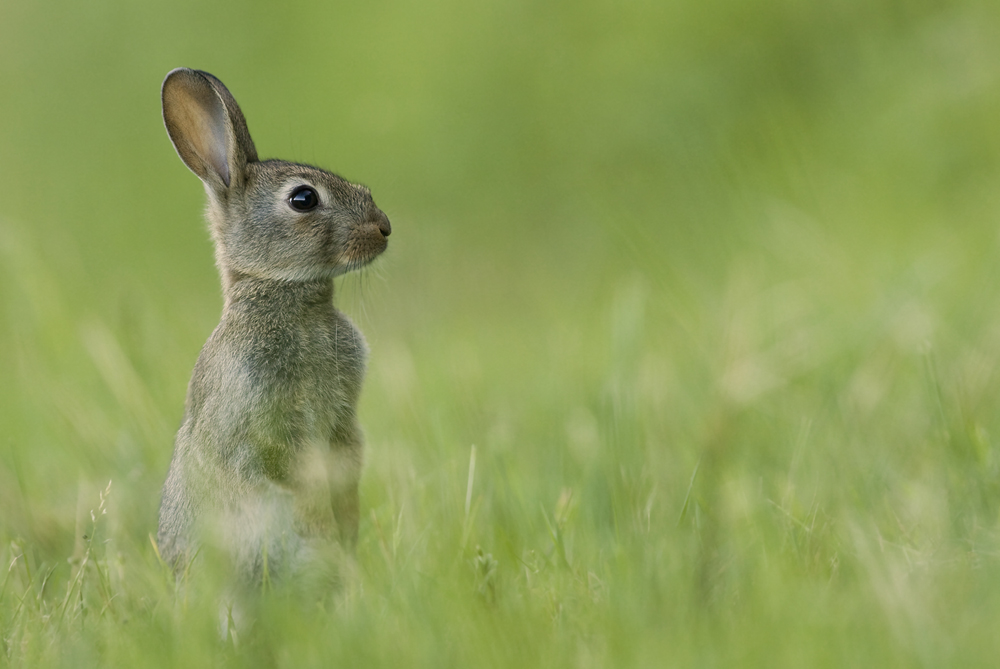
(711,287)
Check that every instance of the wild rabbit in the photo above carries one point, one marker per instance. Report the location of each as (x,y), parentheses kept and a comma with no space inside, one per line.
(267,459)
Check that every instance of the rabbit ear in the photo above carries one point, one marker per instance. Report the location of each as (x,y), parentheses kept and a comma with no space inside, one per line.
(207,127)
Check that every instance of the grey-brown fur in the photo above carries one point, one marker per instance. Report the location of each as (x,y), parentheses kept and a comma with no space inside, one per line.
(267,459)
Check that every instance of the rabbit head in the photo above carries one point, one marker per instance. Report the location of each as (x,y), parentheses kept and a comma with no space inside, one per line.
(270,219)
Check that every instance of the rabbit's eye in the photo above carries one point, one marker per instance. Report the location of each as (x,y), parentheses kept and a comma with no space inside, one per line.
(303,198)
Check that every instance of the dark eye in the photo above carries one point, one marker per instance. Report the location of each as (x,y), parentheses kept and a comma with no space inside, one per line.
(303,198)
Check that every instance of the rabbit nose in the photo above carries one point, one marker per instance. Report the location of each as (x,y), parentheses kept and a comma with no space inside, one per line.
(383,224)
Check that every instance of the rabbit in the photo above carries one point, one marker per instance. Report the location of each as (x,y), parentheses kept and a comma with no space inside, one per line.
(268,456)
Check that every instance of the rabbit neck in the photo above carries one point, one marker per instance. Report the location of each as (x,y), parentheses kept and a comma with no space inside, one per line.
(243,290)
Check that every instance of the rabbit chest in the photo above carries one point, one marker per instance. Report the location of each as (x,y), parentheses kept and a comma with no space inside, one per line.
(277,382)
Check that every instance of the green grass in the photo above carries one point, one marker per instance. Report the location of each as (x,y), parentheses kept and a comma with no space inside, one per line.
(710,291)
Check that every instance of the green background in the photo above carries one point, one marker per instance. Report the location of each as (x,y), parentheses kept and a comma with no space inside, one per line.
(711,286)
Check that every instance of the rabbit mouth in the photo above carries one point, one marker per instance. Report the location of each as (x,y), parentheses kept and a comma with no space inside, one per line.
(367,242)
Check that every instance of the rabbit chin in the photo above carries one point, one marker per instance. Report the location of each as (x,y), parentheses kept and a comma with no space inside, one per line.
(308,273)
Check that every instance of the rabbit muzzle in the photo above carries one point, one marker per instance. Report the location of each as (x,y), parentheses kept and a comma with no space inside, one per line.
(368,239)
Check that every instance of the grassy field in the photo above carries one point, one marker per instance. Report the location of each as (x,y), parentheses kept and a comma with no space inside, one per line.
(685,351)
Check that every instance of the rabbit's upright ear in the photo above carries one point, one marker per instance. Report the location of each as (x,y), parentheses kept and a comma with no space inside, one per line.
(207,127)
